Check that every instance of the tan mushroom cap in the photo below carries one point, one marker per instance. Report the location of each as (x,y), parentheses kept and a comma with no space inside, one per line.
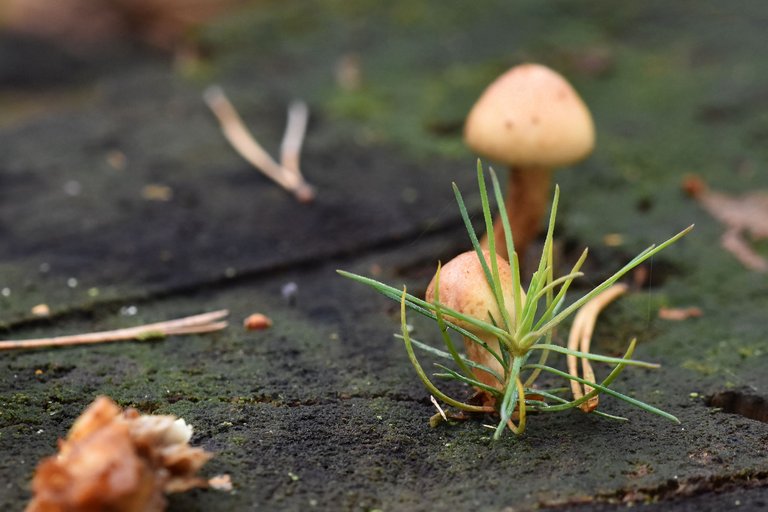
(530,116)
(463,287)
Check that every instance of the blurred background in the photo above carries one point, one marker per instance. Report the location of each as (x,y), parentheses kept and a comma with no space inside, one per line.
(115,178)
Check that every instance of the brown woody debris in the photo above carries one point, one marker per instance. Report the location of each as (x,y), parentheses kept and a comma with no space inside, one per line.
(747,214)
(116,460)
(679,314)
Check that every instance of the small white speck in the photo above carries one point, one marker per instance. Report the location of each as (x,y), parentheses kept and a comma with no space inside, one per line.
(40,431)
(72,282)
(289,292)
(230,272)
(129,310)
(5,292)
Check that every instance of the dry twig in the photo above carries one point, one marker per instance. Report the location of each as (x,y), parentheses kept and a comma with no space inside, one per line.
(197,324)
(580,338)
(287,174)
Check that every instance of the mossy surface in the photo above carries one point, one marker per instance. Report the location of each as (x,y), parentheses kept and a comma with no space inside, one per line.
(323,410)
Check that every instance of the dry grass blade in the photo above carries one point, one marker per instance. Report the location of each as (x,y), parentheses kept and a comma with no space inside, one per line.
(196,324)
(245,144)
(580,338)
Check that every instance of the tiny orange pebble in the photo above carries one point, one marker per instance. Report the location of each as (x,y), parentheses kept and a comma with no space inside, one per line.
(257,322)
(41,310)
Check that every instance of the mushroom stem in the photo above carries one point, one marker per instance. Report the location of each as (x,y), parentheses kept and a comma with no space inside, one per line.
(526,202)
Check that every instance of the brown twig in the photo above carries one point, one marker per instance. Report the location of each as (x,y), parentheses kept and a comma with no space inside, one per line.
(580,338)
(235,131)
(197,324)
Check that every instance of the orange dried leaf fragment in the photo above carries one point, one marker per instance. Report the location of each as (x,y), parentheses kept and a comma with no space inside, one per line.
(679,314)
(118,460)
(257,322)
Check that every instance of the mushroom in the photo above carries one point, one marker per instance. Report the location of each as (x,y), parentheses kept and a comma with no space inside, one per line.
(531,119)
(464,288)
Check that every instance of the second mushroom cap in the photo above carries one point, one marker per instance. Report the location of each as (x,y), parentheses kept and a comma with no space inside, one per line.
(530,116)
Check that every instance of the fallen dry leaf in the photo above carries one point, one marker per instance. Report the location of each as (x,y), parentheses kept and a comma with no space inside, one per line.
(679,314)
(746,214)
(118,460)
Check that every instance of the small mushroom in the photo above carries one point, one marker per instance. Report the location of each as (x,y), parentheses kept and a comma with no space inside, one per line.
(531,119)
(464,288)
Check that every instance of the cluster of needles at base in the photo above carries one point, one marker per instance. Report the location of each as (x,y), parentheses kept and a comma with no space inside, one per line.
(504,325)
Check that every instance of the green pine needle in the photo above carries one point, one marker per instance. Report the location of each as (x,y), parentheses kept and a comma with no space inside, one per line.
(525,326)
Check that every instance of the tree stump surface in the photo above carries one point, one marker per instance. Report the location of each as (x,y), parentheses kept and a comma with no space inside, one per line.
(323,411)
